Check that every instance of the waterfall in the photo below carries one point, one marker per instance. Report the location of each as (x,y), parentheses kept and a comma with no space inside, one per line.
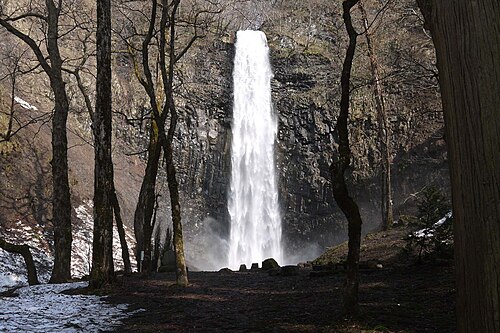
(253,199)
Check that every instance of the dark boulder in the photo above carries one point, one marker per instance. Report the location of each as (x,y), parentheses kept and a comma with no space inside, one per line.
(269,263)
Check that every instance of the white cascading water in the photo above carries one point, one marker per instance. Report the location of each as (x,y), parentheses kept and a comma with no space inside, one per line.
(253,199)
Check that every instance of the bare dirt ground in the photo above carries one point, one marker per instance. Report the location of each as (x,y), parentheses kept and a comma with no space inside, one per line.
(402,297)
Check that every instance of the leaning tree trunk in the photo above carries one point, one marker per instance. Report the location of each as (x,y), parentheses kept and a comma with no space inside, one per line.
(102,248)
(384,133)
(340,165)
(467,39)
(121,234)
(23,250)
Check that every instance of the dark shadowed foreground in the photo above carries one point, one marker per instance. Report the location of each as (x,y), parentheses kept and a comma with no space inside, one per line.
(410,298)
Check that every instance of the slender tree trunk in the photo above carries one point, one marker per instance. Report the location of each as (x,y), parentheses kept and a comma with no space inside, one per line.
(23,250)
(173,186)
(467,39)
(102,256)
(121,233)
(12,104)
(145,205)
(339,166)
(384,132)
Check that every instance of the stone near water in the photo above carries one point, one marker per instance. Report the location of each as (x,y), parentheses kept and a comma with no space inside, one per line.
(255,266)
(225,270)
(243,268)
(269,263)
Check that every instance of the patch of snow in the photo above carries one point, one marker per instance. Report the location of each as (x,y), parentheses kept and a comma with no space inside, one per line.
(43,308)
(81,252)
(13,269)
(12,266)
(25,104)
(429,232)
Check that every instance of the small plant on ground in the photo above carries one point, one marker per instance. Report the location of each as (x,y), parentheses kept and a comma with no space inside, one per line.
(432,233)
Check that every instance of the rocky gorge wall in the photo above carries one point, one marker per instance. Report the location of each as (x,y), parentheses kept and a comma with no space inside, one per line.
(304,92)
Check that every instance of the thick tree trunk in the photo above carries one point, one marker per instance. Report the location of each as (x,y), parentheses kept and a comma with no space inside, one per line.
(340,165)
(121,234)
(23,250)
(384,132)
(61,195)
(467,39)
(145,205)
(102,256)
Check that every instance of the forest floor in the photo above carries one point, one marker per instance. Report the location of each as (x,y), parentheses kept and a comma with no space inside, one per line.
(400,297)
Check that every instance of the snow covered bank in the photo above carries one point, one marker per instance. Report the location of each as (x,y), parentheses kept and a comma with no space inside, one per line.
(43,308)
(13,269)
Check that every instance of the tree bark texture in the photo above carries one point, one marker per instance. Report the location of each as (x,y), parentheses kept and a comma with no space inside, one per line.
(340,165)
(102,248)
(121,234)
(23,250)
(384,131)
(467,38)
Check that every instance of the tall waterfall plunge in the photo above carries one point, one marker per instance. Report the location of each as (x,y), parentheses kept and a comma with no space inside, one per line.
(253,199)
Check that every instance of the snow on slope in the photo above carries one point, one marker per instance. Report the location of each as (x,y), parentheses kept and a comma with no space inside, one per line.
(81,253)
(12,266)
(44,308)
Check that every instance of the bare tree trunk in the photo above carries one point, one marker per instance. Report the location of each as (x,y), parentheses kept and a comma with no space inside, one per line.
(102,252)
(61,195)
(384,132)
(340,165)
(121,234)
(145,205)
(23,250)
(467,39)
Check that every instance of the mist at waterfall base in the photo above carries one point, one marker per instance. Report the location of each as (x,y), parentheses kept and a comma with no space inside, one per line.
(208,249)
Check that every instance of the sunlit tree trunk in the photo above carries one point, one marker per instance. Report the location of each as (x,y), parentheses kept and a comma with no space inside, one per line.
(467,38)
